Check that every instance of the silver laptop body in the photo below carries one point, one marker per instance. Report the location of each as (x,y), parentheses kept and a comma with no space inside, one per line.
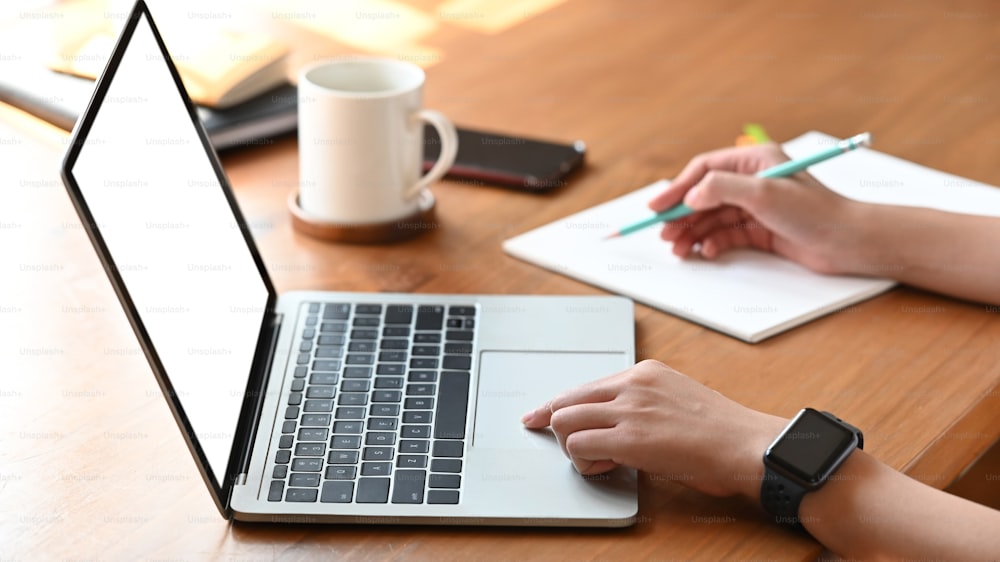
(326,406)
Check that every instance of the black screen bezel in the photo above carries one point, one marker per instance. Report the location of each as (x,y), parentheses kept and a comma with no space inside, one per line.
(849,440)
(221,488)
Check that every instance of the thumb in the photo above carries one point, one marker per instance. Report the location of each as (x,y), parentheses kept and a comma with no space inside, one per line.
(719,188)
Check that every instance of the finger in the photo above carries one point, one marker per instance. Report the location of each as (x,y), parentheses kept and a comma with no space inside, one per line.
(601,390)
(570,420)
(594,451)
(752,235)
(745,160)
(719,188)
(708,222)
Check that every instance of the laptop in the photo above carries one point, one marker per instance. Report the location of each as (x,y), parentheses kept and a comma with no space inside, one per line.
(321,406)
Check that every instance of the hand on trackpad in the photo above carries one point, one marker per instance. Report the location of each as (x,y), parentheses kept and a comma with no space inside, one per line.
(512,383)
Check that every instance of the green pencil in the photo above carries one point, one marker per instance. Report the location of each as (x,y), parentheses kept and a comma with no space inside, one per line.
(781,170)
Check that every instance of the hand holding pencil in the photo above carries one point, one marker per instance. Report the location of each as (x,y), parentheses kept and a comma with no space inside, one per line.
(733,206)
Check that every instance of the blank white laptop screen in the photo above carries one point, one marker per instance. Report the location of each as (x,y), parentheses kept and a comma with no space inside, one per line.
(168,226)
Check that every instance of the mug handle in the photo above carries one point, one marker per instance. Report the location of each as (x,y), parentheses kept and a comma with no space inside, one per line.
(449,148)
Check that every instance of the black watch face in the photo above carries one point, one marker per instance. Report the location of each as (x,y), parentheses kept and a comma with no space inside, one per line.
(812,447)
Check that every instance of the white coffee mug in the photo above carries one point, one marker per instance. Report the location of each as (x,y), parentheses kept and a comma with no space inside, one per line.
(361,140)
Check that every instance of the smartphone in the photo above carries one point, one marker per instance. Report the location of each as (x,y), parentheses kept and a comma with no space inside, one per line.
(520,163)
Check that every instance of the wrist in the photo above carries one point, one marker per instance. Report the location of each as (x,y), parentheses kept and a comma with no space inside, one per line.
(749,469)
(867,252)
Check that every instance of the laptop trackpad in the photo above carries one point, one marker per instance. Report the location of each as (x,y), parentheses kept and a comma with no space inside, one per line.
(513,383)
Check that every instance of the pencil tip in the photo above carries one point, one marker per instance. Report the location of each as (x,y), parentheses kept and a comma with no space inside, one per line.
(612,235)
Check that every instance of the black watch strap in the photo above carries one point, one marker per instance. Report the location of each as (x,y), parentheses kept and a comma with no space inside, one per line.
(781,497)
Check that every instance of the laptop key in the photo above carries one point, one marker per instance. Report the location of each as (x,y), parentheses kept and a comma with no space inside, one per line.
(364,334)
(462,310)
(302,359)
(350,413)
(309,333)
(444,481)
(291,412)
(420,389)
(427,350)
(366,321)
(380,438)
(458,335)
(361,346)
(345,442)
(457,362)
(307,465)
(298,385)
(313,434)
(373,490)
(323,378)
(301,495)
(336,311)
(417,416)
(398,314)
(409,486)
(328,365)
(305,480)
(301,371)
(294,399)
(310,449)
(394,344)
(360,359)
(354,385)
(460,348)
(452,407)
(321,391)
(306,346)
(276,491)
(385,410)
(314,308)
(454,323)
(422,376)
(280,471)
(285,442)
(430,317)
(446,465)
(427,338)
(387,396)
(411,461)
(424,363)
(343,457)
(353,399)
(390,369)
(316,420)
(357,372)
(368,309)
(319,405)
(376,468)
(414,446)
(396,331)
(329,351)
(382,424)
(388,382)
(337,491)
(416,431)
(331,339)
(377,454)
(288,426)
(348,427)
(341,472)
(452,449)
(442,496)
(419,403)
(333,327)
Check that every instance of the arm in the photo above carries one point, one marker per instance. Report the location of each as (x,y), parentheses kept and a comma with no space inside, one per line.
(801,219)
(657,420)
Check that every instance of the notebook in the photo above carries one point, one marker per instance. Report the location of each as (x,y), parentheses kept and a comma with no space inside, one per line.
(326,406)
(746,294)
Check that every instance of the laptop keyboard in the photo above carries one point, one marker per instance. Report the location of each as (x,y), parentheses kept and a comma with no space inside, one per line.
(377,406)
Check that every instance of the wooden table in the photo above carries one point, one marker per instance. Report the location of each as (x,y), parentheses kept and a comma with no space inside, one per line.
(91,463)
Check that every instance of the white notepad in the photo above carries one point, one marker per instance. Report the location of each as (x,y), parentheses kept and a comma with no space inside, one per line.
(747,294)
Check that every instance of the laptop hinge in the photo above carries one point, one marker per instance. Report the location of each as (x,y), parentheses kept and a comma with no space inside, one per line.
(257,396)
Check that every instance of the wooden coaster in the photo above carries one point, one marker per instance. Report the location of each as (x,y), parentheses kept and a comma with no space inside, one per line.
(403,228)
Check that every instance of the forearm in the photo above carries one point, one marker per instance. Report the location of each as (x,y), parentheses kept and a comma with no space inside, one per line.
(949,253)
(869,510)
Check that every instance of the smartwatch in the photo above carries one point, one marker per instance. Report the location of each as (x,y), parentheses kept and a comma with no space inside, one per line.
(801,459)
